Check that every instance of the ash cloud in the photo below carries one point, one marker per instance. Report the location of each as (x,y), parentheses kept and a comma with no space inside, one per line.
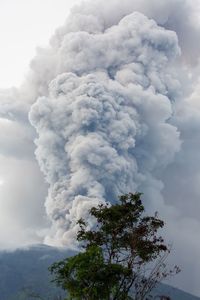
(104,128)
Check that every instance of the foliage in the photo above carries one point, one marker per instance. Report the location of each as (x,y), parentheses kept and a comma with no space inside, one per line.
(122,253)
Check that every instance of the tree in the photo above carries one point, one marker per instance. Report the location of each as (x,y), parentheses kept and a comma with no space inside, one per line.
(122,256)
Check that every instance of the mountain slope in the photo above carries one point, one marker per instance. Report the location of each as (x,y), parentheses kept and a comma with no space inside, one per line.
(24,274)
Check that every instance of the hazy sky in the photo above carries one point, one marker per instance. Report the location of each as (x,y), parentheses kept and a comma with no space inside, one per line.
(24,25)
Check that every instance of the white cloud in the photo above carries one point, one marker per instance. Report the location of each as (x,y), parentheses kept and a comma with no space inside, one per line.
(22,194)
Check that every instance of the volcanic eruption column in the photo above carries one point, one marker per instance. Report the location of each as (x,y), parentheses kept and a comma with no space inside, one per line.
(104,128)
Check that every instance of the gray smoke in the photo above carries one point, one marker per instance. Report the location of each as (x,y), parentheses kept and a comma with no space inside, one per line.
(120,113)
(104,128)
(117,110)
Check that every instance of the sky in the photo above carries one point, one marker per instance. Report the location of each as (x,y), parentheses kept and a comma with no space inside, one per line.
(96,103)
(25,25)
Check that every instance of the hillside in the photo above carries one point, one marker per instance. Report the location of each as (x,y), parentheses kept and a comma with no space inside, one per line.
(25,272)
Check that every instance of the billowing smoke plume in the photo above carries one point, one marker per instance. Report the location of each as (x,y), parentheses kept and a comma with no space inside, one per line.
(104,128)
(117,110)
